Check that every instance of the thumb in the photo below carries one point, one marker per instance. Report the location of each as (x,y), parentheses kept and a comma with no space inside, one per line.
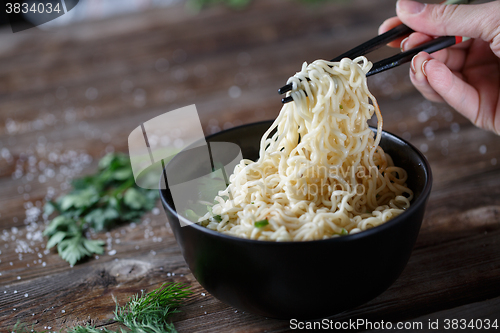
(475,21)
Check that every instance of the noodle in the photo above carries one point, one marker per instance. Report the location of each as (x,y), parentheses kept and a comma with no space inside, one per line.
(322,173)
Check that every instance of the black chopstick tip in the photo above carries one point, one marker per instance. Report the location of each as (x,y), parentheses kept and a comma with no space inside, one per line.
(285,89)
(287,100)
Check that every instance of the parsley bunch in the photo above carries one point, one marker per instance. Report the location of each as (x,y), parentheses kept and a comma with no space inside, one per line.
(96,202)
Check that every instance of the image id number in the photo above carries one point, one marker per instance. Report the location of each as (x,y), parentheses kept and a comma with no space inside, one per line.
(471,324)
(24,8)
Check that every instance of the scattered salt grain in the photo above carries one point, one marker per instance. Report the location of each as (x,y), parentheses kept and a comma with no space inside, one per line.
(244,59)
(26,295)
(406,136)
(234,92)
(202,294)
(161,65)
(91,93)
(482,149)
(112,252)
(455,127)
(423,117)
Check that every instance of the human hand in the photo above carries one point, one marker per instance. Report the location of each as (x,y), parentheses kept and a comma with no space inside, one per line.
(466,75)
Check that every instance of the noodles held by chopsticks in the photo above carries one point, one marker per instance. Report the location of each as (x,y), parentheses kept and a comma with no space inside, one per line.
(322,173)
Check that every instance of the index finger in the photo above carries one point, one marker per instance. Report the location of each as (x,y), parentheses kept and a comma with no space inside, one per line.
(388,25)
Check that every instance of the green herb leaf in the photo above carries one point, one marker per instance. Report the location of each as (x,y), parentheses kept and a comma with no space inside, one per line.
(49,208)
(191,215)
(56,239)
(101,218)
(80,199)
(73,249)
(97,202)
(123,174)
(135,199)
(218,218)
(261,223)
(344,232)
(94,245)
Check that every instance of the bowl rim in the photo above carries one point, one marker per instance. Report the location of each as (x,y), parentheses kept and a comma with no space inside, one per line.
(351,237)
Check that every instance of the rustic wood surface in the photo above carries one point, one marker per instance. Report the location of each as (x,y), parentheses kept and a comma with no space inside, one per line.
(69,96)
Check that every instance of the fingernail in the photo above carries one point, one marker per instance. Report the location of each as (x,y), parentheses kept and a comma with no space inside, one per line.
(412,66)
(403,42)
(410,7)
(423,67)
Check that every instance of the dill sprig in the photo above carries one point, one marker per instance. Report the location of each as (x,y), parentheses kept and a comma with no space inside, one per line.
(147,313)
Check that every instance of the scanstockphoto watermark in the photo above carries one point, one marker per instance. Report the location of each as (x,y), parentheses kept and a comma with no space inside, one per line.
(26,14)
(354,324)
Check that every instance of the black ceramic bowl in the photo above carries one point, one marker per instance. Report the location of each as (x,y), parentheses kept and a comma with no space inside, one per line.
(311,279)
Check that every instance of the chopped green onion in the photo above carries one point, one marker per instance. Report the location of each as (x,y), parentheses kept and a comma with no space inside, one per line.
(344,232)
(218,218)
(340,106)
(261,223)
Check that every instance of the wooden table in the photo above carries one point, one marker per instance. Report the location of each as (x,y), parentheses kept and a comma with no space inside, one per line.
(70,96)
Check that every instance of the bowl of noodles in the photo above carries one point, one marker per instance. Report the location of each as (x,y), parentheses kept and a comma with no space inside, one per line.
(305,216)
